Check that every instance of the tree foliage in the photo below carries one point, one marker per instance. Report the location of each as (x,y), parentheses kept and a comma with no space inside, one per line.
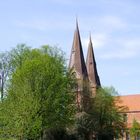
(104,120)
(4,72)
(135,129)
(39,94)
(40,99)
(107,115)
(9,61)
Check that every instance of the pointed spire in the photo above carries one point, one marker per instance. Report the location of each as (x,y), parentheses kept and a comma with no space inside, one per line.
(91,66)
(77,61)
(77,24)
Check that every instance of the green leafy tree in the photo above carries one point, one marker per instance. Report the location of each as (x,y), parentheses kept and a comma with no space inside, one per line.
(4,72)
(104,120)
(83,126)
(135,129)
(9,61)
(107,114)
(17,57)
(39,95)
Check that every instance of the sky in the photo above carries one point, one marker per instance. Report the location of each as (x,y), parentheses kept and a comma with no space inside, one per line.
(113,24)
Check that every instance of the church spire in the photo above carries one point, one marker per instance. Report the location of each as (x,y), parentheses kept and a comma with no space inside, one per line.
(91,66)
(77,61)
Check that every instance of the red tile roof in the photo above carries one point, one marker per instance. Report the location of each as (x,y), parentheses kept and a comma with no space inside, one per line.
(133,104)
(131,101)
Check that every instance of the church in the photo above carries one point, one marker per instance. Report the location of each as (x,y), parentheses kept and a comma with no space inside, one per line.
(85,71)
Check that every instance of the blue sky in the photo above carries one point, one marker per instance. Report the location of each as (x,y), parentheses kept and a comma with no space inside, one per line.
(113,24)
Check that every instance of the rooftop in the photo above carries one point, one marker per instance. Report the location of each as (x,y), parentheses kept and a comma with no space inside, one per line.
(131,101)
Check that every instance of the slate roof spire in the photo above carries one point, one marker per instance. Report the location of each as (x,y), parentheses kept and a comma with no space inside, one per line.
(77,61)
(91,66)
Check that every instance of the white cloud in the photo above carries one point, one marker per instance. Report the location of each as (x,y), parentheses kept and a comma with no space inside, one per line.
(126,49)
(118,54)
(98,40)
(103,24)
(112,22)
(112,38)
(42,24)
(34,24)
(102,37)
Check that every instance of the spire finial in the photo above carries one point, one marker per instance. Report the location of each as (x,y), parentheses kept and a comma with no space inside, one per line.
(90,35)
(90,39)
(77,23)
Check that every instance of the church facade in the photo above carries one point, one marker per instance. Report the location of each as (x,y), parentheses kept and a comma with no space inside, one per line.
(87,72)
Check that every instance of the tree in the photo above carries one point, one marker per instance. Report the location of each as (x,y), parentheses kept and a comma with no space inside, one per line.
(135,129)
(9,61)
(17,56)
(107,115)
(4,71)
(83,126)
(104,120)
(39,96)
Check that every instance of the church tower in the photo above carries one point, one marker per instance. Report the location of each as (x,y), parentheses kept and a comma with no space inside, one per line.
(77,61)
(94,79)
(78,67)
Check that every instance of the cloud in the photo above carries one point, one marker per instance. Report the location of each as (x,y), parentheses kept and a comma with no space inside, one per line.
(43,24)
(118,54)
(34,24)
(99,40)
(112,23)
(103,23)
(128,48)
(104,37)
(115,37)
